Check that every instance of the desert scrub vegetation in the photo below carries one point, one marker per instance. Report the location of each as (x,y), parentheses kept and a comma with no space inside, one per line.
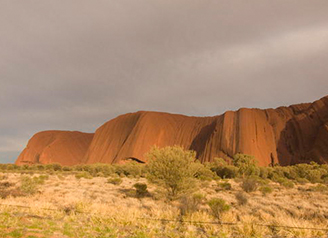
(171,196)
(240,166)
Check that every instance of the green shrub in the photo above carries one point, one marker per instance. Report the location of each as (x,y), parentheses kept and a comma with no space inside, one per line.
(246,164)
(241,198)
(100,174)
(172,168)
(249,185)
(266,190)
(40,167)
(302,180)
(115,181)
(41,179)
(301,170)
(67,168)
(132,169)
(264,172)
(222,169)
(203,172)
(287,183)
(83,174)
(325,180)
(12,167)
(141,189)
(225,186)
(53,167)
(227,172)
(102,169)
(218,206)
(28,167)
(314,175)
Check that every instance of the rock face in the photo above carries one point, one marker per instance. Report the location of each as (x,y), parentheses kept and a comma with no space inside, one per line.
(63,147)
(287,135)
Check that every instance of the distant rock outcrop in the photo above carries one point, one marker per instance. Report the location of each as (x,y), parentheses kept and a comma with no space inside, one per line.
(289,135)
(63,147)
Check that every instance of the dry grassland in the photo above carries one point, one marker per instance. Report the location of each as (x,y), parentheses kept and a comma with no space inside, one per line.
(65,206)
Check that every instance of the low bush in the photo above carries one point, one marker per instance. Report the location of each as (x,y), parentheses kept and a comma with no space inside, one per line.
(190,204)
(287,183)
(41,179)
(314,175)
(265,190)
(115,181)
(67,168)
(319,188)
(5,185)
(218,206)
(249,185)
(222,169)
(241,198)
(225,186)
(203,172)
(15,192)
(131,169)
(84,174)
(141,189)
(29,185)
(302,180)
(53,167)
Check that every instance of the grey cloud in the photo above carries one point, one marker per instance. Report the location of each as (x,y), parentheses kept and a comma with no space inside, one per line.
(75,64)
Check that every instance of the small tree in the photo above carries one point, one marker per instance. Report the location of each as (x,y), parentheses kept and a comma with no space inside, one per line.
(173,168)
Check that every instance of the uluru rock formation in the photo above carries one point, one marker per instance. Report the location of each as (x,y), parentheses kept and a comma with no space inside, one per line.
(63,147)
(289,135)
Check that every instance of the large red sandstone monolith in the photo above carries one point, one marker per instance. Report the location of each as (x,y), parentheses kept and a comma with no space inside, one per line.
(290,135)
(63,147)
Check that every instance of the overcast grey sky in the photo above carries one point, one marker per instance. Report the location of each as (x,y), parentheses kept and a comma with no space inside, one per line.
(75,64)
